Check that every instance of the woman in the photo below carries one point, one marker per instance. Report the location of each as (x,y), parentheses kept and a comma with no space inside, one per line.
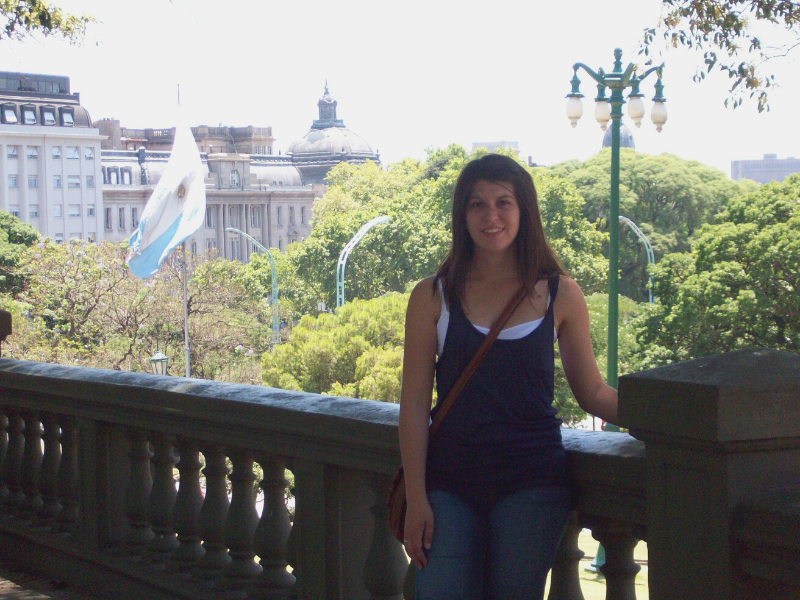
(488,498)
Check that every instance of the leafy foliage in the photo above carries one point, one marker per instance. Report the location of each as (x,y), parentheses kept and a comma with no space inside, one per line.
(15,236)
(667,197)
(23,18)
(724,30)
(737,288)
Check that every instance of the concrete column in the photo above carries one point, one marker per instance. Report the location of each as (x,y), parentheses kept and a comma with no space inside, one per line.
(718,431)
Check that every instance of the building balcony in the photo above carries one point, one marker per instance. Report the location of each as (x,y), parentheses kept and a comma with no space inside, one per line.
(131,485)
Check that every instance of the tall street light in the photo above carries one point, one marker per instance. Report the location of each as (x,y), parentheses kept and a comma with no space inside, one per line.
(618,81)
(348,247)
(275,315)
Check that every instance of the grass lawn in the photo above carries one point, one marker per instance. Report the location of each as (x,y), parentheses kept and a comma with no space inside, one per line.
(594,584)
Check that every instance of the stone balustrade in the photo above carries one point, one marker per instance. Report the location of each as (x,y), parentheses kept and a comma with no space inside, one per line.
(137,486)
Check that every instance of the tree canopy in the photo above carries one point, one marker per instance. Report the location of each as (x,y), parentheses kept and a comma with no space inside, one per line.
(737,288)
(24,18)
(727,32)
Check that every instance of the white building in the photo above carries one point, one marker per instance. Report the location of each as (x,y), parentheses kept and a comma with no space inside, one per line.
(50,173)
(770,168)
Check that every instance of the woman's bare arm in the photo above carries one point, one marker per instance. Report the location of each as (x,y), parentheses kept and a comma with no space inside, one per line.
(577,356)
(419,358)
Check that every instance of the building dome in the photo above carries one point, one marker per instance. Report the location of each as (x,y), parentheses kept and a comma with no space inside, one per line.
(625,138)
(328,143)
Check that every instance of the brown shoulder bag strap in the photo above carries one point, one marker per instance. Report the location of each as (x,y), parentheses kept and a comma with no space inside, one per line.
(483,350)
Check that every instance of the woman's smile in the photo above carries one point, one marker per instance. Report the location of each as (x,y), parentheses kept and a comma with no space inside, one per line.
(492,215)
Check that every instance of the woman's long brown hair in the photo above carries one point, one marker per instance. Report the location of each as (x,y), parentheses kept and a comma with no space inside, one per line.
(535,258)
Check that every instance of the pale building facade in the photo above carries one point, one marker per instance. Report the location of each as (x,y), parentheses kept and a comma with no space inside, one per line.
(770,168)
(50,173)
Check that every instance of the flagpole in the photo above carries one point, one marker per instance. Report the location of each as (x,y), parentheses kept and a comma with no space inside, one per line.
(186,315)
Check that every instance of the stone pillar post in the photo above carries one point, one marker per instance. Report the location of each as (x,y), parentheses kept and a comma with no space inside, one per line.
(718,431)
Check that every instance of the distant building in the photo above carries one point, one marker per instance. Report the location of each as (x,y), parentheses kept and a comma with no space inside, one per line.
(770,168)
(327,144)
(625,138)
(492,146)
(50,174)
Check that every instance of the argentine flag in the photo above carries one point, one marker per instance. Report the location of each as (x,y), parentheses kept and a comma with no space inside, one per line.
(175,210)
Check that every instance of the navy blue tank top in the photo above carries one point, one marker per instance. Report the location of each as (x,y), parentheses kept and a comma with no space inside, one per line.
(501,434)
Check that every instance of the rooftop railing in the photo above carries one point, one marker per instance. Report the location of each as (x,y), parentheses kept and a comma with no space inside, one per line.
(138,486)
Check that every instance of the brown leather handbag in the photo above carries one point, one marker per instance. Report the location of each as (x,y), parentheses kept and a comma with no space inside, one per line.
(397,494)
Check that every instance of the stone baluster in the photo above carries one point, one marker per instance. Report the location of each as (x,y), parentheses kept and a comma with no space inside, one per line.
(67,483)
(13,462)
(31,463)
(3,454)
(187,510)
(293,545)
(272,533)
(565,583)
(213,514)
(48,480)
(386,566)
(619,569)
(139,486)
(162,501)
(240,528)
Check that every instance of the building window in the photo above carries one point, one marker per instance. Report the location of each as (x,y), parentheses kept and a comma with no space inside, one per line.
(269,149)
(90,210)
(14,210)
(33,211)
(28,115)
(211,245)
(58,238)
(194,248)
(73,152)
(302,215)
(107,223)
(210,216)
(233,213)
(32,183)
(56,151)
(12,152)
(134,217)
(234,248)
(33,152)
(9,115)
(122,219)
(57,181)
(57,210)
(278,217)
(235,178)
(12,181)
(113,175)
(74,210)
(126,176)
(255,216)
(49,115)
(91,237)
(74,182)
(88,153)
(90,181)
(66,119)
(280,244)
(291,215)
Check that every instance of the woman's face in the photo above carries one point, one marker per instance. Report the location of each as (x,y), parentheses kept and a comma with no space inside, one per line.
(492,216)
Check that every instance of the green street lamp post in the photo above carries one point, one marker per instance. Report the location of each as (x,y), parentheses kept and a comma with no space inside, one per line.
(274,272)
(348,247)
(618,81)
(648,248)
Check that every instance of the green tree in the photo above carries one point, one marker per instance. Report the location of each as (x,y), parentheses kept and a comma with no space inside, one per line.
(15,236)
(725,32)
(737,288)
(24,18)
(667,197)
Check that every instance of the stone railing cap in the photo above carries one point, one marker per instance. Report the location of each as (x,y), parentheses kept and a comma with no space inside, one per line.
(744,395)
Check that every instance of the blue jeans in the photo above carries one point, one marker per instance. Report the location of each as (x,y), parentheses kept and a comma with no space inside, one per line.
(500,550)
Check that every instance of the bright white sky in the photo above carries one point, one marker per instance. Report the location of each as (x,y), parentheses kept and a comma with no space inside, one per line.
(407,75)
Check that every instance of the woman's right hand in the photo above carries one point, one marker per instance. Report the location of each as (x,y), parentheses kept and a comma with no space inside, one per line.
(418,531)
